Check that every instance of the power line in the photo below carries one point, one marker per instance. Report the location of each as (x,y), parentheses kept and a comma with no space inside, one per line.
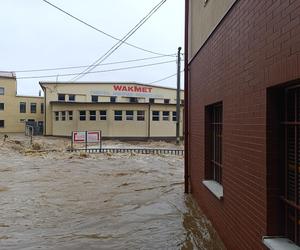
(84,66)
(165,78)
(100,71)
(97,29)
(120,42)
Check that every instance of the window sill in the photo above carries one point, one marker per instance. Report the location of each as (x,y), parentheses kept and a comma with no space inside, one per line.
(214,187)
(278,243)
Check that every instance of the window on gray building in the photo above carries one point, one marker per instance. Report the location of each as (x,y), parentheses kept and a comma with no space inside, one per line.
(70,115)
(129,115)
(174,116)
(103,114)
(63,115)
(42,108)
(32,107)
(56,116)
(118,115)
(155,115)
(82,115)
(113,99)
(165,115)
(151,100)
(95,98)
(22,107)
(72,98)
(133,100)
(92,115)
(61,97)
(166,101)
(140,115)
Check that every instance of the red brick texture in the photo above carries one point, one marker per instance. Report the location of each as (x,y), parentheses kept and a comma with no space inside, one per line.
(255,47)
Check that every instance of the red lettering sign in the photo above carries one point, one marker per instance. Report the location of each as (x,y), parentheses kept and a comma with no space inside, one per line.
(132,89)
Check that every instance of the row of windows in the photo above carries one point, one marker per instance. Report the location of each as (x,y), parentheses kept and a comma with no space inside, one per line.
(130,115)
(33,107)
(96,98)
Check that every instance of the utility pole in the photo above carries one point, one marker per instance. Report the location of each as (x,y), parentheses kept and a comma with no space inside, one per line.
(178,98)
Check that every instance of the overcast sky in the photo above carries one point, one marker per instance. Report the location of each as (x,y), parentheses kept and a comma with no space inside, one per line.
(35,35)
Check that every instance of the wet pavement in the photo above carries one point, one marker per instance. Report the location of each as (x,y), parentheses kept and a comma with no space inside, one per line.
(124,201)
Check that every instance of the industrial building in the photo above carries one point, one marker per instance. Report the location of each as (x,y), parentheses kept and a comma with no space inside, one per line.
(242,80)
(16,110)
(120,110)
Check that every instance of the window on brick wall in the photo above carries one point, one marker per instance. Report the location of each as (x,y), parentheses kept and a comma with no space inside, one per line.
(1,91)
(1,106)
(1,123)
(291,193)
(42,108)
(213,142)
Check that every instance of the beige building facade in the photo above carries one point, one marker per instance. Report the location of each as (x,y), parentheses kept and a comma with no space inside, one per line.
(119,110)
(206,14)
(15,110)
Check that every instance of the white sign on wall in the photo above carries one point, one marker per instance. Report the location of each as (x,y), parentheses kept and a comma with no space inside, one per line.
(86,136)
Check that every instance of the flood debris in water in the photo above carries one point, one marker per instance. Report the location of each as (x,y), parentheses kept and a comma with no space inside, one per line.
(52,199)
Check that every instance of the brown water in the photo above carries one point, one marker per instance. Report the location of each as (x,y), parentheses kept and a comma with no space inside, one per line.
(62,201)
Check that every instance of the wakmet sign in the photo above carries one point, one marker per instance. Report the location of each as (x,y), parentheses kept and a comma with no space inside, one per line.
(134,91)
(137,89)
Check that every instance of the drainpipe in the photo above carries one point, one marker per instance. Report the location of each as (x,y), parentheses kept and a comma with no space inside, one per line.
(149,109)
(186,101)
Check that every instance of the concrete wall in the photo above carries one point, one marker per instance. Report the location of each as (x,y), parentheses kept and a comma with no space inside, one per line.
(11,113)
(256,47)
(203,20)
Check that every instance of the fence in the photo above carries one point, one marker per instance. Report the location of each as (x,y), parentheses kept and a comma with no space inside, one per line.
(130,150)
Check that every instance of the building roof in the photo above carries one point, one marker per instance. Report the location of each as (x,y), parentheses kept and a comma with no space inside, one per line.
(116,82)
(7,74)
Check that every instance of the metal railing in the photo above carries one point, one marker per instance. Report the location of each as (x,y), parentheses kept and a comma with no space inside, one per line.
(130,150)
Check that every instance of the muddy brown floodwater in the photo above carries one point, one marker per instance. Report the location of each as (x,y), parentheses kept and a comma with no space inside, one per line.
(58,200)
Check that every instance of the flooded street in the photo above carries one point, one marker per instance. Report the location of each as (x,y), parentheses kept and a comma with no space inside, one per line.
(58,200)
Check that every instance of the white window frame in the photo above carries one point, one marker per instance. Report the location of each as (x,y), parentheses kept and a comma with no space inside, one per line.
(140,115)
(82,115)
(93,117)
(129,117)
(103,117)
(155,118)
(166,117)
(117,116)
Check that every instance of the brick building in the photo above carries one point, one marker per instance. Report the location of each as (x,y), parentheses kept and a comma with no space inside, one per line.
(243,105)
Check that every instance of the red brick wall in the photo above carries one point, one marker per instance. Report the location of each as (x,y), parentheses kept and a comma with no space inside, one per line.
(255,47)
